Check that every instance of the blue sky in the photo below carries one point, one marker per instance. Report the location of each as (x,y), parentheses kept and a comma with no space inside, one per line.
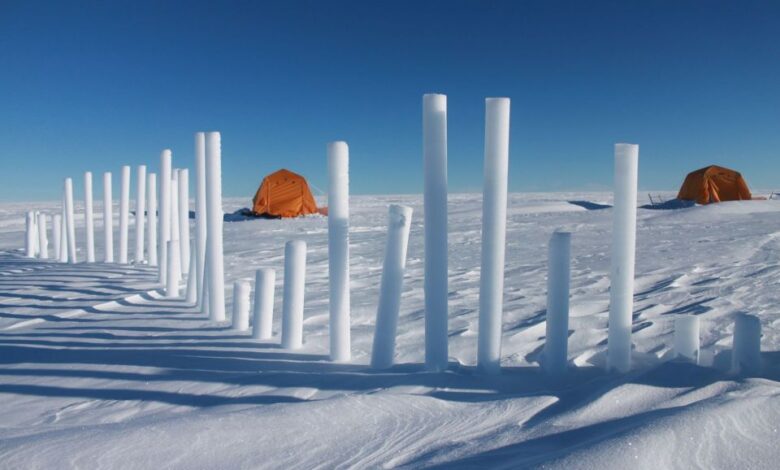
(95,85)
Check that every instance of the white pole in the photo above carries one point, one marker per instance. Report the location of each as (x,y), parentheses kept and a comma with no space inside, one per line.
(435,222)
(56,228)
(43,240)
(184,218)
(621,291)
(63,235)
(292,303)
(494,197)
(215,263)
(241,305)
(124,214)
(140,212)
(89,217)
(398,225)
(686,338)
(29,244)
(165,211)
(338,250)
(152,240)
(192,274)
(200,212)
(37,247)
(746,350)
(177,273)
(263,308)
(171,280)
(108,218)
(558,278)
(70,221)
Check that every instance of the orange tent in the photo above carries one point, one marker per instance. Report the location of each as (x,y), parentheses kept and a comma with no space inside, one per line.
(284,194)
(714,184)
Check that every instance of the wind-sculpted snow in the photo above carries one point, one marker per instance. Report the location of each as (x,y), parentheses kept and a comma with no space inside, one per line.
(97,370)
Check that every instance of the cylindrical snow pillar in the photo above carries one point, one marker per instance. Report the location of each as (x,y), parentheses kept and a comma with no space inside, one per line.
(63,235)
(200,212)
(263,308)
(89,217)
(494,196)
(338,250)
(172,279)
(621,290)
(215,262)
(56,233)
(140,213)
(240,320)
(558,276)
(398,225)
(175,206)
(124,214)
(70,221)
(746,351)
(184,218)
(435,222)
(152,238)
(108,219)
(43,239)
(686,338)
(294,284)
(164,211)
(29,244)
(192,287)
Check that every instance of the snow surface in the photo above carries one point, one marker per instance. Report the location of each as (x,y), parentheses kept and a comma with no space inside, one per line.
(98,370)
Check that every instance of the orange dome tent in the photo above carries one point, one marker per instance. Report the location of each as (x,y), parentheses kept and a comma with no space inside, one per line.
(284,194)
(714,184)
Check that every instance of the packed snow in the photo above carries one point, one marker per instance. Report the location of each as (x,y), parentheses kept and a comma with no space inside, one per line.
(99,370)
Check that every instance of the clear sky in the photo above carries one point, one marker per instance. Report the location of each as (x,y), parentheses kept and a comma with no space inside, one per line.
(89,85)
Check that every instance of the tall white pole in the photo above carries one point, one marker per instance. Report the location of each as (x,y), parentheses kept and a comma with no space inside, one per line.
(184,218)
(37,246)
(43,239)
(175,227)
(621,291)
(200,212)
(89,217)
(435,221)
(164,211)
(215,262)
(494,197)
(152,239)
(56,229)
(686,338)
(172,280)
(240,318)
(746,350)
(124,214)
(70,221)
(263,308)
(338,250)
(556,347)
(192,274)
(140,213)
(108,218)
(63,235)
(292,303)
(398,225)
(30,233)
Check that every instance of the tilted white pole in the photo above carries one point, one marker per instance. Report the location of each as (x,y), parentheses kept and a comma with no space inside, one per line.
(171,280)
(494,196)
(338,250)
(108,219)
(89,217)
(292,303)
(184,218)
(240,320)
(215,262)
(63,235)
(56,229)
(200,212)
(70,221)
(192,274)
(140,213)
(746,350)
(399,222)
(164,211)
(152,238)
(43,239)
(435,222)
(124,214)
(686,338)
(556,342)
(30,233)
(263,308)
(621,290)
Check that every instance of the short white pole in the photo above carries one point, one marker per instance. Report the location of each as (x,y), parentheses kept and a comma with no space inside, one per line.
(200,212)
(338,250)
(263,308)
(124,214)
(292,303)
(398,225)
(621,291)
(56,228)
(494,197)
(43,239)
(177,273)
(108,218)
(171,280)
(140,213)
(63,235)
(152,238)
(70,221)
(686,338)
(215,261)
(192,274)
(184,218)
(37,248)
(746,351)
(30,233)
(164,211)
(89,217)
(435,223)
(240,318)
(556,340)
